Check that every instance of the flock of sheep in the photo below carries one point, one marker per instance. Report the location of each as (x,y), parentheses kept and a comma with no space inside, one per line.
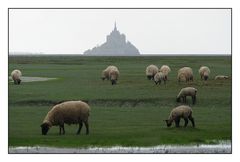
(77,112)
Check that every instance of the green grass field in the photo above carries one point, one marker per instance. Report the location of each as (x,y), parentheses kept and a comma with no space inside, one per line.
(130,113)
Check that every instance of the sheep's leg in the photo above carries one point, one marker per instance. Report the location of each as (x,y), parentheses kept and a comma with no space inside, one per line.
(186,122)
(192,120)
(60,130)
(177,121)
(80,127)
(63,129)
(184,99)
(193,99)
(87,127)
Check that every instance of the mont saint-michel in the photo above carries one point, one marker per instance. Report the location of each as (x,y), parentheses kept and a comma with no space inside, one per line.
(115,45)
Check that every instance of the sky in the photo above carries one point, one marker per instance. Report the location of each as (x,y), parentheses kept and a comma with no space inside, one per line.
(152,31)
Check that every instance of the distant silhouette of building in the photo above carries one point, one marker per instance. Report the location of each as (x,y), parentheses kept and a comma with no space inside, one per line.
(116,45)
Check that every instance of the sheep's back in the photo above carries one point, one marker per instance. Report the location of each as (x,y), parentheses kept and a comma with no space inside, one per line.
(165,69)
(181,111)
(204,69)
(69,112)
(151,70)
(16,74)
(188,91)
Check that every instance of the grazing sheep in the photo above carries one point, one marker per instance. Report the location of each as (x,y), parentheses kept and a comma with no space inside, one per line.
(179,112)
(204,72)
(165,70)
(151,70)
(105,73)
(186,74)
(16,76)
(69,112)
(113,76)
(160,77)
(221,77)
(188,91)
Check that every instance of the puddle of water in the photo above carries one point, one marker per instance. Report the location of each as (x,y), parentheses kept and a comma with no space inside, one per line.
(33,79)
(221,148)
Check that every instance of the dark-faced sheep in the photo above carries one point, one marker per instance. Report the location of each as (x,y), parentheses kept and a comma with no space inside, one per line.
(16,76)
(69,112)
(151,70)
(188,91)
(204,72)
(185,74)
(179,112)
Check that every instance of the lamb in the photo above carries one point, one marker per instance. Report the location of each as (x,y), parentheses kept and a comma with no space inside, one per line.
(221,77)
(69,112)
(165,70)
(160,76)
(204,72)
(151,70)
(179,112)
(186,74)
(188,91)
(113,75)
(105,73)
(16,76)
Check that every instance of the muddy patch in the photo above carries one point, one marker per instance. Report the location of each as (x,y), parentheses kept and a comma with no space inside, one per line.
(33,79)
(221,148)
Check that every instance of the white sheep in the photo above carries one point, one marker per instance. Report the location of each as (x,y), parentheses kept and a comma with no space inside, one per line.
(16,76)
(186,74)
(160,76)
(69,112)
(105,72)
(188,91)
(151,70)
(204,72)
(221,77)
(179,112)
(113,76)
(165,70)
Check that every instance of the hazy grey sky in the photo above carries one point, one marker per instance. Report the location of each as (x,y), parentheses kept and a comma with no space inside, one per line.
(152,31)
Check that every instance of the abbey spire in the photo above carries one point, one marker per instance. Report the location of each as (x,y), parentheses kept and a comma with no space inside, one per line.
(115,45)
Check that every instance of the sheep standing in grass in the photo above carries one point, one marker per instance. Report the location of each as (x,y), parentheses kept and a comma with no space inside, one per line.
(221,77)
(151,70)
(165,70)
(16,76)
(160,76)
(185,74)
(113,75)
(105,73)
(204,72)
(179,112)
(188,91)
(70,112)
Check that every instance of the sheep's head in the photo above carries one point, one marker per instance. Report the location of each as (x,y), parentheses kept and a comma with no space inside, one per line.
(45,127)
(178,99)
(114,81)
(18,81)
(205,77)
(168,122)
(103,78)
(149,77)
